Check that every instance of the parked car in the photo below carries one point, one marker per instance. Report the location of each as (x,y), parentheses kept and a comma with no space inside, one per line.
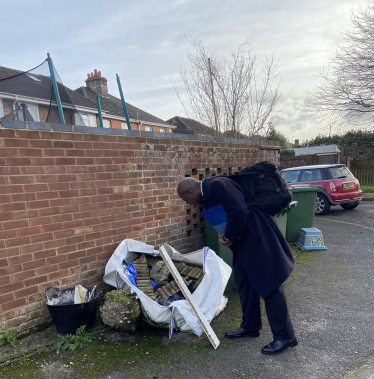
(340,187)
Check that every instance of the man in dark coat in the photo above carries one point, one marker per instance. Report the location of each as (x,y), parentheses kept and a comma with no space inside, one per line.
(262,258)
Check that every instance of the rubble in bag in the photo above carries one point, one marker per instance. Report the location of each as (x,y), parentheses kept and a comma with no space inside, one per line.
(154,268)
(121,311)
(143,279)
(159,271)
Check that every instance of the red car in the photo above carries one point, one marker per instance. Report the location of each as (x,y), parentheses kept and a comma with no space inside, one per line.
(340,187)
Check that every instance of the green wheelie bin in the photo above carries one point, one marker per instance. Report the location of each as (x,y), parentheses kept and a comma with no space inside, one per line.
(301,216)
(282,217)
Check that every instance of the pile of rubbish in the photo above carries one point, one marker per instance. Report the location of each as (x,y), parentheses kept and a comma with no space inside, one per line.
(138,267)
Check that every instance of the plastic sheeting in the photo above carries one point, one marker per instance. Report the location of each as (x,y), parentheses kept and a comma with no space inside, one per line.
(208,295)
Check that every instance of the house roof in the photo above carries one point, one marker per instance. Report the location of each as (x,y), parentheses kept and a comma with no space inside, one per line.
(318,150)
(24,84)
(186,125)
(111,105)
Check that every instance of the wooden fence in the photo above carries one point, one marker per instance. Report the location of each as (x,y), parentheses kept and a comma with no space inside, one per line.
(364,175)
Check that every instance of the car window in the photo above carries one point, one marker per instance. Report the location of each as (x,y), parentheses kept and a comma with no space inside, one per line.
(311,175)
(340,172)
(291,176)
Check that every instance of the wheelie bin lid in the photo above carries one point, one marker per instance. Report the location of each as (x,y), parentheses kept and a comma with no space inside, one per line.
(306,188)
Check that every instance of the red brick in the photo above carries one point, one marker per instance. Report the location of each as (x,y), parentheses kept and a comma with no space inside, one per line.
(11,287)
(37,280)
(13,304)
(37,204)
(23,197)
(67,264)
(20,259)
(9,170)
(34,264)
(46,269)
(12,207)
(84,230)
(42,161)
(31,248)
(57,259)
(3,262)
(38,187)
(69,279)
(27,291)
(32,170)
(54,152)
(6,298)
(4,280)
(6,216)
(8,234)
(23,275)
(58,274)
(41,237)
(44,254)
(65,161)
(47,195)
(17,241)
(55,170)
(40,221)
(18,161)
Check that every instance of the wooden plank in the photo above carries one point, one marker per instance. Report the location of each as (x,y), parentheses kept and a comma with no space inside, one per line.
(187,294)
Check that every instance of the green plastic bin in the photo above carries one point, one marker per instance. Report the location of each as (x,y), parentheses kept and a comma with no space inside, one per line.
(301,216)
(281,217)
(211,240)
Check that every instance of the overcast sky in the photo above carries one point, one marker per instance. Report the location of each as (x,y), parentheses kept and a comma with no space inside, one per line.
(144,42)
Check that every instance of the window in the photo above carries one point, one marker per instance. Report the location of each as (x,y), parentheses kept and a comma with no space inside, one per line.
(33,112)
(162,130)
(340,172)
(106,123)
(85,119)
(147,128)
(291,176)
(1,109)
(311,176)
(124,125)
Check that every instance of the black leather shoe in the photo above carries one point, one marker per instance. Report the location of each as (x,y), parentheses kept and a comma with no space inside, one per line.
(241,333)
(277,347)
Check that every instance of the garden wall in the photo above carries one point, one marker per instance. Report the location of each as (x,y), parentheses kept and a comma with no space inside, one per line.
(70,195)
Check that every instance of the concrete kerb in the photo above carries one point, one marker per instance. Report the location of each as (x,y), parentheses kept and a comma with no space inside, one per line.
(14,124)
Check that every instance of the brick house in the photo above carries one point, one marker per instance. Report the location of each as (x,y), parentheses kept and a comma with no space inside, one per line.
(79,106)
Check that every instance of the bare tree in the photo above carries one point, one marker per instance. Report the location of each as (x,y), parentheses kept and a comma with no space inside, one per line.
(345,95)
(226,96)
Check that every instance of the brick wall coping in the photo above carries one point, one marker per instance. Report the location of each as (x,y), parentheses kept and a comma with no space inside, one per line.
(133,133)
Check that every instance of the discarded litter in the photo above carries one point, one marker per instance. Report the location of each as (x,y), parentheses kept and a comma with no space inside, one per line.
(67,315)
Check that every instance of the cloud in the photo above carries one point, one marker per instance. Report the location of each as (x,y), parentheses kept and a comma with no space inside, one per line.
(144,42)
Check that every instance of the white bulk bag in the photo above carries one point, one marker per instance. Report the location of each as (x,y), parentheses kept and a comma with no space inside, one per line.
(208,295)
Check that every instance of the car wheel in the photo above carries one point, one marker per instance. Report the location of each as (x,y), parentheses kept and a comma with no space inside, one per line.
(322,205)
(348,207)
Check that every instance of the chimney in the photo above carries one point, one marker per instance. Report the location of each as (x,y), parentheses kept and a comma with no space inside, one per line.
(97,83)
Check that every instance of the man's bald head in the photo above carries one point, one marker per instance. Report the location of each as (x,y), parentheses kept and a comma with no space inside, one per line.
(189,191)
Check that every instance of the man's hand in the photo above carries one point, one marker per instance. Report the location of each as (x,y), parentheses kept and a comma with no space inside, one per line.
(223,241)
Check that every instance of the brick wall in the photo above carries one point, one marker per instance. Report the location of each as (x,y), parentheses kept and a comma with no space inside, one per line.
(291,162)
(68,199)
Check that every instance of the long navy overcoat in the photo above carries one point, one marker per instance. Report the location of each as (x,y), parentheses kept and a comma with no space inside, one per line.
(258,243)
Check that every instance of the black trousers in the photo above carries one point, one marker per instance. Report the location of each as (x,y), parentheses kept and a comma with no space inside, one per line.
(275,305)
